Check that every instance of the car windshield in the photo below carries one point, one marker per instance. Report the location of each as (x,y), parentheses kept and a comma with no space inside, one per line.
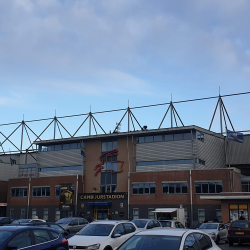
(165,223)
(96,230)
(64,221)
(140,223)
(240,224)
(4,235)
(152,242)
(20,221)
(208,226)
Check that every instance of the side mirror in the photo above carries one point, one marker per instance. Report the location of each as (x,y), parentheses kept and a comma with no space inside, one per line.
(117,235)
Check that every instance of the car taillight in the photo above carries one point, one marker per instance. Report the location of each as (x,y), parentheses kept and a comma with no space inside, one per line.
(229,226)
(65,241)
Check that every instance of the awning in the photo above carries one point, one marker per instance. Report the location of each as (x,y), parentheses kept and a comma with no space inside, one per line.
(100,203)
(165,210)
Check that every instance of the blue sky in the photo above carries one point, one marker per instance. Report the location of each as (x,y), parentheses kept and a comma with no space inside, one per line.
(70,55)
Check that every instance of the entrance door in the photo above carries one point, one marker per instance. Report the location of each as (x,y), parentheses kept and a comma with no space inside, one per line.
(101,213)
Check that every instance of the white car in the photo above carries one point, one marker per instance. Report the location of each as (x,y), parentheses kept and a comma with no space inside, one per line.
(144,224)
(169,239)
(102,235)
(171,224)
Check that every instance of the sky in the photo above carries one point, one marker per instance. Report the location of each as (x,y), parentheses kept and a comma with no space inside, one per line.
(69,57)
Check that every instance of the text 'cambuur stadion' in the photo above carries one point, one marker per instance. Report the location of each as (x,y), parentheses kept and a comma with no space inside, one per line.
(129,175)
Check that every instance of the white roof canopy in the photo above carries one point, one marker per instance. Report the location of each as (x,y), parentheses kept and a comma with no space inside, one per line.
(165,210)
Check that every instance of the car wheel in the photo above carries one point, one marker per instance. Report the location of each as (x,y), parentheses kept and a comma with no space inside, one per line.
(108,248)
(217,239)
(231,243)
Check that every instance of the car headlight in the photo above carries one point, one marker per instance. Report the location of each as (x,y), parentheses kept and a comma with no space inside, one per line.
(93,247)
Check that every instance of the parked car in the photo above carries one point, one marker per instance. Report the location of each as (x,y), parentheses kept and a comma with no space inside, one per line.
(25,221)
(146,223)
(217,231)
(171,224)
(65,233)
(239,232)
(31,238)
(102,235)
(6,220)
(72,224)
(169,239)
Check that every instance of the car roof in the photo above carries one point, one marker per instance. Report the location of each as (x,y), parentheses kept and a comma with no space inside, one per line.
(143,219)
(110,222)
(170,232)
(21,227)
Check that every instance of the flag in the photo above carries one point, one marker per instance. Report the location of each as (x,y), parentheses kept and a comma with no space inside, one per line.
(82,153)
(235,136)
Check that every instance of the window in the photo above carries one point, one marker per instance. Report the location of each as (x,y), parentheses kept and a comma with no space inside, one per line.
(158,138)
(58,147)
(200,136)
(135,213)
(201,215)
(199,161)
(204,240)
(129,228)
(148,139)
(41,236)
(119,229)
(70,213)
(57,190)
(143,188)
(245,185)
(60,168)
(208,187)
(169,162)
(108,182)
(12,213)
(174,188)
(190,243)
(22,240)
(22,216)
(178,137)
(65,146)
(41,191)
(46,214)
(33,213)
(57,214)
(151,215)
(19,192)
(109,145)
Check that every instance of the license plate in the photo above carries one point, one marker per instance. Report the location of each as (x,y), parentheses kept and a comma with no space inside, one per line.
(239,232)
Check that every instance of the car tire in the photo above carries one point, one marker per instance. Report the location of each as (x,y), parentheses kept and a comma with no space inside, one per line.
(231,243)
(108,248)
(217,239)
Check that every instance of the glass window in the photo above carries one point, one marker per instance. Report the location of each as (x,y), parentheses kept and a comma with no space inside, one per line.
(129,227)
(119,229)
(204,188)
(33,213)
(187,136)
(135,213)
(219,187)
(58,147)
(51,148)
(178,137)
(141,188)
(218,214)
(18,192)
(149,139)
(146,188)
(57,214)
(165,188)
(205,241)
(54,234)
(198,188)
(135,188)
(171,188)
(201,215)
(66,146)
(169,137)
(41,236)
(46,214)
(141,139)
(158,138)
(152,188)
(151,215)
(73,146)
(21,240)
(190,243)
(57,190)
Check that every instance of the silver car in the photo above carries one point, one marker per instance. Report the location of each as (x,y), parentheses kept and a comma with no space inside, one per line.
(72,224)
(217,231)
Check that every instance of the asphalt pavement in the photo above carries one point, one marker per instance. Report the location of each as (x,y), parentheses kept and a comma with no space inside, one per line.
(236,246)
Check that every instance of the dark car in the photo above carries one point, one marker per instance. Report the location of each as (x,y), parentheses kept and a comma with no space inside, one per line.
(65,233)
(72,224)
(6,220)
(239,232)
(31,238)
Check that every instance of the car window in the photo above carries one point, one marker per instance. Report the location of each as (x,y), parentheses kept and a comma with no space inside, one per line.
(74,222)
(176,224)
(222,226)
(21,240)
(204,240)
(96,230)
(4,235)
(82,222)
(54,235)
(42,225)
(240,224)
(61,230)
(157,224)
(119,229)
(11,220)
(150,225)
(4,221)
(130,228)
(41,236)
(180,225)
(166,223)
(190,243)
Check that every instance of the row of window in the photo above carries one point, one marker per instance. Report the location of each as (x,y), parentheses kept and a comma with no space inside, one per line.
(36,191)
(167,162)
(109,145)
(59,168)
(65,146)
(178,188)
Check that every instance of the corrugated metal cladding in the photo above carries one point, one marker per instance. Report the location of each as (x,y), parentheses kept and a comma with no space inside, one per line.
(212,151)
(164,168)
(60,173)
(59,158)
(169,150)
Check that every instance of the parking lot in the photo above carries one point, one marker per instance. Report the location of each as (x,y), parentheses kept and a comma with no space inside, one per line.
(225,246)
